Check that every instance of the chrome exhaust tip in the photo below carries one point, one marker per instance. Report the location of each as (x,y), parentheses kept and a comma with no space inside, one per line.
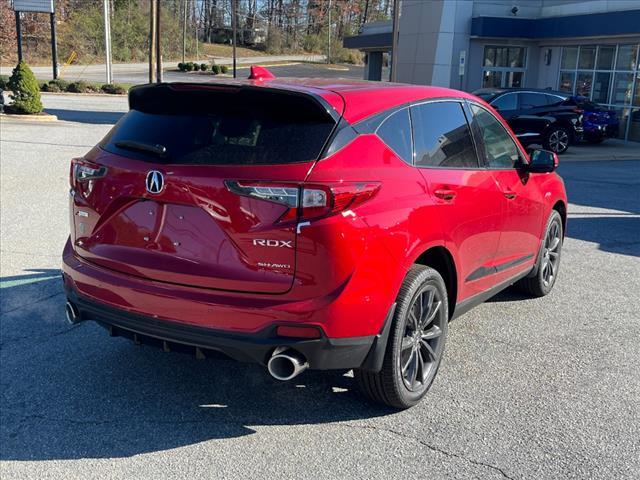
(72,313)
(286,364)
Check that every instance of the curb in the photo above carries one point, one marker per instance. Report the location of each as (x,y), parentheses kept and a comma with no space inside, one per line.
(32,118)
(92,94)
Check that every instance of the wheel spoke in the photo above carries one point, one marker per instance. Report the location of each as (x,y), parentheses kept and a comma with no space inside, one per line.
(426,305)
(407,342)
(413,373)
(554,254)
(408,362)
(433,332)
(554,243)
(426,345)
(432,315)
(414,320)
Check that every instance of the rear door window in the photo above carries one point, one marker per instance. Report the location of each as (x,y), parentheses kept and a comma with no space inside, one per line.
(508,101)
(442,136)
(532,100)
(220,126)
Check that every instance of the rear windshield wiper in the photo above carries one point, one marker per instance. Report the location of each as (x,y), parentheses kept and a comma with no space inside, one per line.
(156,148)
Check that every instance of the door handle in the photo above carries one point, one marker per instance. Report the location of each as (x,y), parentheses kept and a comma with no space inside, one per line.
(445,194)
(510,194)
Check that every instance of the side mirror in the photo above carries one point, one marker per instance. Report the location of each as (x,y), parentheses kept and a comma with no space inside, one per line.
(542,161)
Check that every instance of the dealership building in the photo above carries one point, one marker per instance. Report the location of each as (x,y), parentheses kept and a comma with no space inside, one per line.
(587,47)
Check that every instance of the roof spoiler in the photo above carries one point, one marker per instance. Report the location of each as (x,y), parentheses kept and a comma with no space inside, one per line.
(260,73)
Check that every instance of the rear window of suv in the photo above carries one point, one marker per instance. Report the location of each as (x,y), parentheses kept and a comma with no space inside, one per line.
(220,126)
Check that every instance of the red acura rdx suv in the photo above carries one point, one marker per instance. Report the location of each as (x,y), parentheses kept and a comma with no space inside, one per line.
(298,223)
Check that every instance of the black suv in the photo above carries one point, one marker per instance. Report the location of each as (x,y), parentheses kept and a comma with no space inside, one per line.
(539,117)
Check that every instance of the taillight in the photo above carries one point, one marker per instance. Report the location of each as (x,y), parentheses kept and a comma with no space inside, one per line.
(309,201)
(82,171)
(578,110)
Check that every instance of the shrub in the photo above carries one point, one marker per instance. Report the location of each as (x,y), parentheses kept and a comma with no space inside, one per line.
(181,67)
(196,67)
(215,69)
(114,89)
(274,42)
(61,85)
(4,80)
(204,67)
(50,86)
(25,90)
(78,87)
(224,69)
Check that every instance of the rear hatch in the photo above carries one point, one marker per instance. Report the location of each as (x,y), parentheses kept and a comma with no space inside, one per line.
(199,186)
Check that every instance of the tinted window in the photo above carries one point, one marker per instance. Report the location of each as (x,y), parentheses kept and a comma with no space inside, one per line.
(214,126)
(506,102)
(499,148)
(442,137)
(532,100)
(396,133)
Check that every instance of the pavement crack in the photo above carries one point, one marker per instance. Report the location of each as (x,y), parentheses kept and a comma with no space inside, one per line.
(431,447)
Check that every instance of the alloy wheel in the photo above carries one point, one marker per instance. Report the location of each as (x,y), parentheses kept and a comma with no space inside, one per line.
(551,254)
(558,141)
(421,344)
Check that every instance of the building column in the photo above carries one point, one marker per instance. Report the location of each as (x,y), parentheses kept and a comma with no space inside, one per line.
(373,66)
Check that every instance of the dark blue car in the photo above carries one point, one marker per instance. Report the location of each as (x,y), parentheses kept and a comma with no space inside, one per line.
(598,122)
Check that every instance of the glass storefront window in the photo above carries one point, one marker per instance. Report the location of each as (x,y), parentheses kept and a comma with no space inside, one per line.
(566,81)
(569,58)
(492,79)
(583,85)
(605,58)
(516,57)
(636,97)
(587,58)
(622,88)
(514,79)
(601,87)
(627,57)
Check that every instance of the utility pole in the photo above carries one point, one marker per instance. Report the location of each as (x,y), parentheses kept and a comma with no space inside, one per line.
(54,46)
(329,36)
(19,35)
(107,39)
(234,21)
(158,45)
(184,32)
(397,5)
(152,40)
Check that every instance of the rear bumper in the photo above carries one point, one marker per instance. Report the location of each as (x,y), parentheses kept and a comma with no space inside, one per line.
(322,353)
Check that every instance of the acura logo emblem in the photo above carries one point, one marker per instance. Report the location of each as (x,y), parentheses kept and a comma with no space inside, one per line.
(155,181)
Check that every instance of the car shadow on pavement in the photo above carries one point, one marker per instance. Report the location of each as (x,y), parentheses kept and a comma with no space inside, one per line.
(83,116)
(70,392)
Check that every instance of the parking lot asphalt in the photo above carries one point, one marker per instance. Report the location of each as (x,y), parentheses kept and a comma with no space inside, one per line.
(544,388)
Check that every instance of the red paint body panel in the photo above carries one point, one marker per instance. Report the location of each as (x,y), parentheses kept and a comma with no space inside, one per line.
(188,254)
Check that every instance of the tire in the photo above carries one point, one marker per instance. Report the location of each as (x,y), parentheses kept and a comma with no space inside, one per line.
(557,139)
(548,264)
(418,349)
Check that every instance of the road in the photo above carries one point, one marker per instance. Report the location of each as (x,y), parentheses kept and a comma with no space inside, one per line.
(135,73)
(546,388)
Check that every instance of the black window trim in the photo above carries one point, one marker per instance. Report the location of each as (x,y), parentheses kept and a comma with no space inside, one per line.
(480,141)
(459,101)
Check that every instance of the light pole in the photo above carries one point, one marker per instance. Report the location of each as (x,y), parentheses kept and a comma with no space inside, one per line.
(329,36)
(107,39)
(152,40)
(158,45)
(234,21)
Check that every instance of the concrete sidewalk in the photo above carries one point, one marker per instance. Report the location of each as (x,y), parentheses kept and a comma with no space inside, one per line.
(612,149)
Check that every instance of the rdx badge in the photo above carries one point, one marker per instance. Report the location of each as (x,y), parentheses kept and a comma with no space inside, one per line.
(273,243)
